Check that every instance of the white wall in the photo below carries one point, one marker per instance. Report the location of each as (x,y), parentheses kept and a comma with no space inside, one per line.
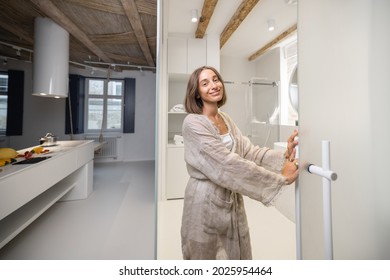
(42,115)
(268,65)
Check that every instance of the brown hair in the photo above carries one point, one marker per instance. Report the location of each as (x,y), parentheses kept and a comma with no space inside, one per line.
(193,103)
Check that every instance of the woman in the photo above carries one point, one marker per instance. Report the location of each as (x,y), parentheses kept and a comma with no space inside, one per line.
(223,165)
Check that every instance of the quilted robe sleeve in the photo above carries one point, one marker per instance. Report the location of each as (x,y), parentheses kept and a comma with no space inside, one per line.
(248,170)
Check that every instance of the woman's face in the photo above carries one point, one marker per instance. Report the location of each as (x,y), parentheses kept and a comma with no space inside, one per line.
(210,87)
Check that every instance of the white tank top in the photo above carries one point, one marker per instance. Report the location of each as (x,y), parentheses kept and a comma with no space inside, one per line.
(227,139)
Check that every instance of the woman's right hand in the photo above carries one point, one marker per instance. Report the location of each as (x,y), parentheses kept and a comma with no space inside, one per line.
(290,171)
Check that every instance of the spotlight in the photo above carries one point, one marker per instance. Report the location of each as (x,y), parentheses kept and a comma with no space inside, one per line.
(271,24)
(194,15)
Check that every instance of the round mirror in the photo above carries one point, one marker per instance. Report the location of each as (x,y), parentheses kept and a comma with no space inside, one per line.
(293,89)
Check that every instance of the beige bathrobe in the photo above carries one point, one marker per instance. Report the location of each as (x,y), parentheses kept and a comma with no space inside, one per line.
(214,223)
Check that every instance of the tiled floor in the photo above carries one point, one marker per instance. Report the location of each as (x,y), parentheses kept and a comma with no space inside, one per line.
(117,221)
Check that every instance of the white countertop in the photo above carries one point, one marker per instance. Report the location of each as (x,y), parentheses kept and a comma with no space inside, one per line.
(54,151)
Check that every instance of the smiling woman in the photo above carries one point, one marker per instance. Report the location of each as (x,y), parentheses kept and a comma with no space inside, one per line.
(224,166)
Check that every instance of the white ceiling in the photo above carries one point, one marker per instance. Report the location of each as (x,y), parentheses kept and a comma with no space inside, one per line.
(249,37)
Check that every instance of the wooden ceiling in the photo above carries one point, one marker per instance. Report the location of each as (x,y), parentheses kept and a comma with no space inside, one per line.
(105,32)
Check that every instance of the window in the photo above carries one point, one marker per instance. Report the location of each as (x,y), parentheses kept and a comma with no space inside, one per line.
(97,105)
(3,102)
(11,102)
(104,105)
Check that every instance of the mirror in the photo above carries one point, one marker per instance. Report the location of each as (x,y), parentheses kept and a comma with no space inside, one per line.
(293,89)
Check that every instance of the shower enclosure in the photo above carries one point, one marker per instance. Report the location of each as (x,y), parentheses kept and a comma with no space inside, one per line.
(260,98)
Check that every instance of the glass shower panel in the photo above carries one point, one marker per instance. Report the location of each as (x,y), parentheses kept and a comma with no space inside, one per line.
(237,104)
(264,112)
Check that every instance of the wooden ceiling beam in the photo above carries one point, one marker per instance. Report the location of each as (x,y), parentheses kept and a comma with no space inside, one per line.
(207,12)
(57,16)
(242,11)
(132,14)
(148,7)
(274,42)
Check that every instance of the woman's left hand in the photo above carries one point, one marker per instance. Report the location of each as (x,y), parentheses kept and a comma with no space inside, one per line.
(291,144)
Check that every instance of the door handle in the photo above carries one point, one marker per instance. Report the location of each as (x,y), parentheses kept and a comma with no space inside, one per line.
(327,176)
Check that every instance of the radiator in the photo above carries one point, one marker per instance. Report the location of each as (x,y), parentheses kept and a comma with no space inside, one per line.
(109,149)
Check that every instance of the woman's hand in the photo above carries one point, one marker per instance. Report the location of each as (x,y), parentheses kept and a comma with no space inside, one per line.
(291,166)
(291,144)
(290,171)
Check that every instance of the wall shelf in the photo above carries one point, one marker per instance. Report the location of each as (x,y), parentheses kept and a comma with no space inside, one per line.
(177,113)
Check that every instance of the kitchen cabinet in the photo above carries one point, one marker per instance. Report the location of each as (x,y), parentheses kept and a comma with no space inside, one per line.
(197,54)
(28,190)
(186,54)
(177,55)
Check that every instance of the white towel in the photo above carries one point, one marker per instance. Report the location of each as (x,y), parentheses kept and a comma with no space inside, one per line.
(178,139)
(178,108)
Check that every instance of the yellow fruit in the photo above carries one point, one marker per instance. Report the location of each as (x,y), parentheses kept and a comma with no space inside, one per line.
(7,153)
(5,161)
(38,149)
